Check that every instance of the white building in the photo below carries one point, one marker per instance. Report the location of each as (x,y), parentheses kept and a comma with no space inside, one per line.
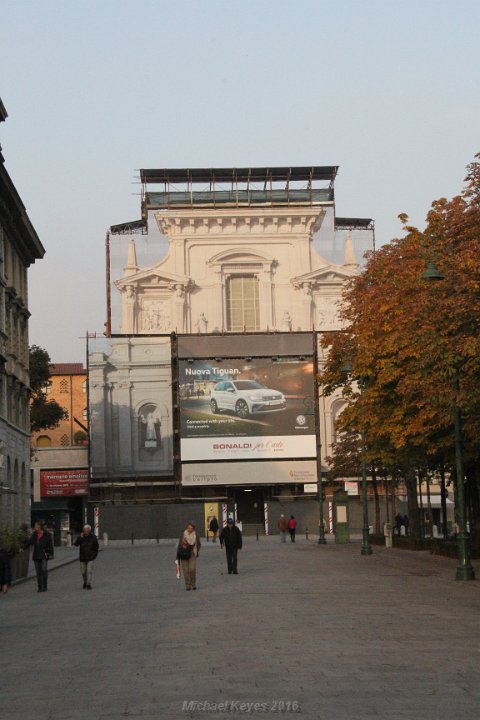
(239,259)
(255,253)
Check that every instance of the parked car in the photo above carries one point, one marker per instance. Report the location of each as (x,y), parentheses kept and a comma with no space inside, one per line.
(245,397)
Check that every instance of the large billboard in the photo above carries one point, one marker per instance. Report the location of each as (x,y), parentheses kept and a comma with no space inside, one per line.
(247,409)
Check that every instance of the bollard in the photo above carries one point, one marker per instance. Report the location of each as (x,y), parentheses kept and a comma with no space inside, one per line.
(132,538)
(69,539)
(306,534)
(105,539)
(158,537)
(387,531)
(257,535)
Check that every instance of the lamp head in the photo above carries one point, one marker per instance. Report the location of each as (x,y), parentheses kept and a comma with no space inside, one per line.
(431,273)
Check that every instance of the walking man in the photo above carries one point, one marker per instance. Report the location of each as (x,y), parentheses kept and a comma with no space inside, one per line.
(282,526)
(213,527)
(292,526)
(88,544)
(231,537)
(42,543)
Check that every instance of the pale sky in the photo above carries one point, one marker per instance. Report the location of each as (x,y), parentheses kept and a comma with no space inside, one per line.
(96,89)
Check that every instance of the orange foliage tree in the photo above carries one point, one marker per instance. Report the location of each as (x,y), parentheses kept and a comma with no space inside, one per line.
(413,346)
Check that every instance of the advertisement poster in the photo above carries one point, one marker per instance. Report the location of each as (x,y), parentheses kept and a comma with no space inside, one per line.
(63,483)
(255,473)
(243,409)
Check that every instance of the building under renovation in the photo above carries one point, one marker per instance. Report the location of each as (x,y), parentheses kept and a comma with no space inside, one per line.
(203,396)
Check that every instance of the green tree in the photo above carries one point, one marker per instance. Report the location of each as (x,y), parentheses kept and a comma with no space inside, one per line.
(44,414)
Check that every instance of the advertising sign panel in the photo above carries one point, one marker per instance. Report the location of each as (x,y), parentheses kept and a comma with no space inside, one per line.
(63,483)
(244,409)
(259,473)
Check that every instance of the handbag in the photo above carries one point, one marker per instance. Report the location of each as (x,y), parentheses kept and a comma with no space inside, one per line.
(184,553)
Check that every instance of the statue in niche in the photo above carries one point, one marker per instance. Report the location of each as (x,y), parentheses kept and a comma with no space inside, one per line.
(306,289)
(287,321)
(179,291)
(202,323)
(150,428)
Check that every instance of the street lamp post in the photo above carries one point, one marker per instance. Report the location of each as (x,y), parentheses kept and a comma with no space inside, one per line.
(366,547)
(316,405)
(321,526)
(464,569)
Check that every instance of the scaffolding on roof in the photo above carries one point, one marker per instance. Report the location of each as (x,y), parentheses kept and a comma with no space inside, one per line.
(237,187)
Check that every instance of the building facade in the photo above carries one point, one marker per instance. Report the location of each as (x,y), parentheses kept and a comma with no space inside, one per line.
(19,248)
(60,455)
(68,386)
(225,277)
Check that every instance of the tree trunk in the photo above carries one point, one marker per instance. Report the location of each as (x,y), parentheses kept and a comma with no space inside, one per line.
(443,498)
(377,501)
(412,500)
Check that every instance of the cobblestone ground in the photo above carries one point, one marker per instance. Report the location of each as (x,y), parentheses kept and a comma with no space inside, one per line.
(303,630)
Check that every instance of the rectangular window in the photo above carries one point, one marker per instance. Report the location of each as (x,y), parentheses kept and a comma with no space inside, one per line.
(243,309)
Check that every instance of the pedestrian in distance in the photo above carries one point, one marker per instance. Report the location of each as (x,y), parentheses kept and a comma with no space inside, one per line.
(282,527)
(231,537)
(406,523)
(42,543)
(5,571)
(188,550)
(398,523)
(292,526)
(88,544)
(213,527)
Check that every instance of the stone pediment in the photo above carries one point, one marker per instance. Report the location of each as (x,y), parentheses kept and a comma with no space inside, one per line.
(240,255)
(155,277)
(324,276)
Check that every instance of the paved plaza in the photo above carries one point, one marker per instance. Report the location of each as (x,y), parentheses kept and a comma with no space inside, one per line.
(303,630)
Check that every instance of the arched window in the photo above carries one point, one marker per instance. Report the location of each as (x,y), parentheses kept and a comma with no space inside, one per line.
(44,441)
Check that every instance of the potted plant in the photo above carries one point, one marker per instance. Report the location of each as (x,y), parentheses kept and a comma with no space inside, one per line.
(80,438)
(13,540)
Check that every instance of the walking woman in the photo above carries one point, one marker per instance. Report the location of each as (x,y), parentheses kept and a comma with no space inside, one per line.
(187,552)
(42,543)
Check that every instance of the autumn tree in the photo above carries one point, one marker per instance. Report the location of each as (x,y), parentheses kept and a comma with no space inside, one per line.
(44,414)
(414,346)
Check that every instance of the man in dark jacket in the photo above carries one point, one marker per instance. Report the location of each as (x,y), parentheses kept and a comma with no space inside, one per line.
(42,543)
(88,544)
(231,537)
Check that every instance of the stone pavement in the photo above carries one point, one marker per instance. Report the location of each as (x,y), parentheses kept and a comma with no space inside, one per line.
(303,631)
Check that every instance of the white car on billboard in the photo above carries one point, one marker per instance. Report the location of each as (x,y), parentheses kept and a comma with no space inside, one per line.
(245,397)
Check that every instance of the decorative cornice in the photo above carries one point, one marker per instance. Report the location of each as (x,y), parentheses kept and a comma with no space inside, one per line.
(238,222)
